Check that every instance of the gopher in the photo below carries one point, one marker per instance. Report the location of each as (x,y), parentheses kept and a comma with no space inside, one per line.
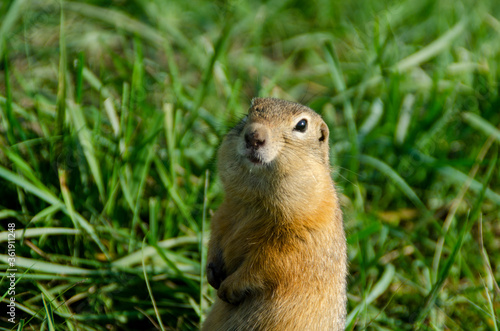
(277,252)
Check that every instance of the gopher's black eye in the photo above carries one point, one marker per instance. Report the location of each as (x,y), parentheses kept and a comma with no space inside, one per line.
(301,126)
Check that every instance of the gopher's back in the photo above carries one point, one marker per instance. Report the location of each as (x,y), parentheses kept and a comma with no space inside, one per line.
(277,253)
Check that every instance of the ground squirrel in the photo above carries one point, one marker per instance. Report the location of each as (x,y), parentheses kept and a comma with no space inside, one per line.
(277,252)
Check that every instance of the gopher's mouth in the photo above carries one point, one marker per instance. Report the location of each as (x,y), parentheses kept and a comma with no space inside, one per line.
(255,158)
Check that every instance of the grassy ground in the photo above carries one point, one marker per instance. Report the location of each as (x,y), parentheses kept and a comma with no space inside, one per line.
(111,112)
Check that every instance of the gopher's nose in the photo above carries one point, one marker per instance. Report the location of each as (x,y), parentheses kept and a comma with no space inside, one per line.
(254,139)
(255,136)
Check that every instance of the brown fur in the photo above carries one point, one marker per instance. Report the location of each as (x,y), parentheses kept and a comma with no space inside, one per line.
(277,253)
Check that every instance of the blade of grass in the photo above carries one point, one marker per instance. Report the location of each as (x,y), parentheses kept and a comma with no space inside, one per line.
(26,309)
(49,267)
(344,96)
(162,172)
(443,274)
(404,119)
(49,317)
(207,77)
(14,13)
(43,193)
(79,79)
(365,233)
(136,257)
(22,166)
(137,92)
(150,291)
(377,290)
(8,213)
(50,277)
(112,116)
(154,207)
(376,112)
(459,178)
(266,90)
(456,203)
(85,139)
(456,176)
(140,191)
(491,306)
(170,135)
(61,87)
(484,255)
(47,196)
(37,232)
(202,247)
(172,265)
(45,213)
(68,200)
(479,123)
(396,178)
(10,121)
(49,300)
(20,326)
(94,82)
(174,71)
(339,84)
(434,48)
(119,20)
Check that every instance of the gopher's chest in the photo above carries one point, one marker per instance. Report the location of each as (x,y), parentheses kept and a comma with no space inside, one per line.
(237,244)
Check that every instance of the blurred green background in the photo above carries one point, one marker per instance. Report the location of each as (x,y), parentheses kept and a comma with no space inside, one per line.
(111,113)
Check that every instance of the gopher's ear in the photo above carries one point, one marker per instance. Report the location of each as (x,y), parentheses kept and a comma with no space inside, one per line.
(256,101)
(256,104)
(323,142)
(323,133)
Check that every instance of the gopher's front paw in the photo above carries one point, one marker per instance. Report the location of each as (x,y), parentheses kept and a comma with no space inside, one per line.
(215,270)
(214,276)
(231,293)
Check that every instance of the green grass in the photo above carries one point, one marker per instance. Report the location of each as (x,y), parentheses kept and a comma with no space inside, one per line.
(111,113)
